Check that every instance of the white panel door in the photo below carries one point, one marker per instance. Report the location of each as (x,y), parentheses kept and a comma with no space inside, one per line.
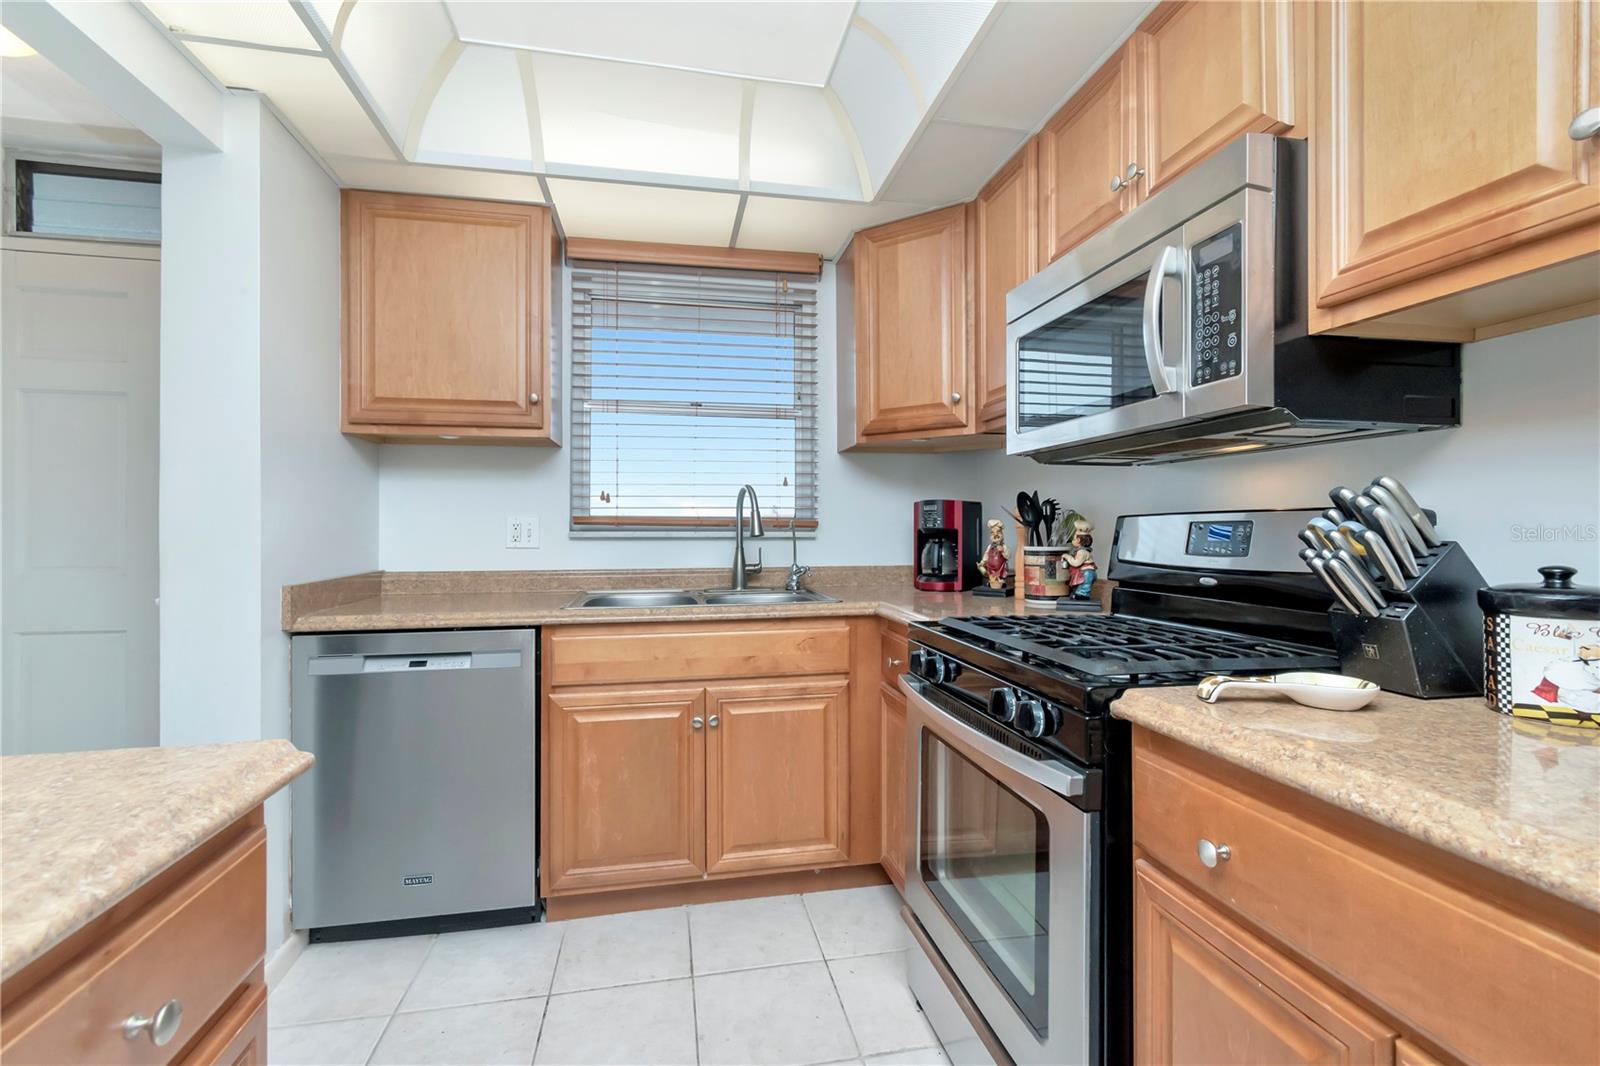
(81,356)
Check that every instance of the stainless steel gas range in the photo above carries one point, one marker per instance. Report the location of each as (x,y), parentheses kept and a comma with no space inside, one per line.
(1018,883)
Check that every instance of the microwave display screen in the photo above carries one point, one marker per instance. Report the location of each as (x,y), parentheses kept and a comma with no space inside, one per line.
(1219,248)
(1220,538)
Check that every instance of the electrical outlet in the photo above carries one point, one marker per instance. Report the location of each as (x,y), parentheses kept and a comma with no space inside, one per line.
(522,532)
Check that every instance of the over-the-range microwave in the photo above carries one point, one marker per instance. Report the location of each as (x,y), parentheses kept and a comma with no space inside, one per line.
(1179,332)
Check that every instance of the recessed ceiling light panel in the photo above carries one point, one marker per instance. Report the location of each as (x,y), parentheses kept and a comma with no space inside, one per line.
(271,23)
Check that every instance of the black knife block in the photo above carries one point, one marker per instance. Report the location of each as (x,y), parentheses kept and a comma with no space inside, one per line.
(1428,641)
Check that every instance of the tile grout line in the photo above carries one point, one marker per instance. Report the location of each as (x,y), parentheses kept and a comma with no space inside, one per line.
(694,991)
(850,1028)
(434,940)
(549,994)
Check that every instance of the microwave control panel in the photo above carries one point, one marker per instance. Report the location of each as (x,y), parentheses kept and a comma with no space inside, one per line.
(1217,306)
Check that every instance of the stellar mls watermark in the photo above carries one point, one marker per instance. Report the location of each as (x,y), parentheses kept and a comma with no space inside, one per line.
(1571,533)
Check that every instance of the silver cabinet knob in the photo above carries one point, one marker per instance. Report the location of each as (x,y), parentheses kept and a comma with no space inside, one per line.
(697,722)
(1586,125)
(895,664)
(162,1026)
(955,397)
(533,397)
(1122,181)
(1211,854)
(716,720)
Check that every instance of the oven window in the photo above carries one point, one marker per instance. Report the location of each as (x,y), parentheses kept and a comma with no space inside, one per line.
(986,860)
(1087,362)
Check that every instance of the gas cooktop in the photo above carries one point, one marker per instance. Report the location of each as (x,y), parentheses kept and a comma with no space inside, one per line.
(1128,648)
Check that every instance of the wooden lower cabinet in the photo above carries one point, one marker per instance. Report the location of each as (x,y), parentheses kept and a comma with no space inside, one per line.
(892,743)
(691,769)
(776,783)
(195,934)
(624,787)
(1209,992)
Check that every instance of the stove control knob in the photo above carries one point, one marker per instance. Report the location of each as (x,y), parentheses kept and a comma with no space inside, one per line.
(924,663)
(949,669)
(1003,704)
(1035,718)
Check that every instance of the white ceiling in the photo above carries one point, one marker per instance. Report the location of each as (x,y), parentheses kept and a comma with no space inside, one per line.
(755,124)
(41,107)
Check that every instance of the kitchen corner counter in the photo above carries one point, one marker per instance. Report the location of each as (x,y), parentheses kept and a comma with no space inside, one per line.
(1519,797)
(80,831)
(476,600)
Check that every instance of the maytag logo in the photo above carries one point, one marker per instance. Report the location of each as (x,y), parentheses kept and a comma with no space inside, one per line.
(417,879)
(1370,651)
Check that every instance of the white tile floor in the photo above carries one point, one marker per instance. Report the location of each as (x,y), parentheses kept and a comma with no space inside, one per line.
(787,979)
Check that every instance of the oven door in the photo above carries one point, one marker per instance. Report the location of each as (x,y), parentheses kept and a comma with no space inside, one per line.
(1105,357)
(1005,879)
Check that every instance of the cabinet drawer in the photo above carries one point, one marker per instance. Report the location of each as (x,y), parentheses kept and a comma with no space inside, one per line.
(686,651)
(893,657)
(196,944)
(1347,902)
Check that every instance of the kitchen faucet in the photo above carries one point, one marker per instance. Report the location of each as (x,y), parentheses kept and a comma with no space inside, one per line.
(740,570)
(797,572)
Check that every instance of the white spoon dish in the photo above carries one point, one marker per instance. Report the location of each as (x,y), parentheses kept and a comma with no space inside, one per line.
(1331,692)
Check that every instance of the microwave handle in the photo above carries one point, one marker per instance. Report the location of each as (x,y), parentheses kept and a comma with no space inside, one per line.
(1168,265)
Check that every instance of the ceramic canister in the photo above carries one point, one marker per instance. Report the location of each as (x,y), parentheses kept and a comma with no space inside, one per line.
(1044,575)
(1541,649)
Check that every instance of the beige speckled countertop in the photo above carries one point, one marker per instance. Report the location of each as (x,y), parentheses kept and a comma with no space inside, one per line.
(533,598)
(1517,796)
(81,830)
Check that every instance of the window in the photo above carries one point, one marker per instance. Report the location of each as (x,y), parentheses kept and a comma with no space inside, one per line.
(68,200)
(686,384)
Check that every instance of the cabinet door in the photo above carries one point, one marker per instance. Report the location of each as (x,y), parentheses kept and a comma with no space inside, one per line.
(624,787)
(238,1037)
(1006,216)
(1205,990)
(776,775)
(1211,71)
(446,312)
(912,343)
(1441,138)
(892,745)
(1090,142)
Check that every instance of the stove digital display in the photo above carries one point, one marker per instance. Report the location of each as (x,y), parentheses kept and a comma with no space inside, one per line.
(1228,539)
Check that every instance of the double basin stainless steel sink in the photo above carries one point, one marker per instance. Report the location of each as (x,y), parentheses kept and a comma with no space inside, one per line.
(693,598)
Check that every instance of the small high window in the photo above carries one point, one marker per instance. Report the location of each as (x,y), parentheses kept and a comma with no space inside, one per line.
(69,200)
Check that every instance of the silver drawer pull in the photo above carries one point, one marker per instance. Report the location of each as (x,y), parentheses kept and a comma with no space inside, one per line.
(1211,854)
(895,664)
(162,1026)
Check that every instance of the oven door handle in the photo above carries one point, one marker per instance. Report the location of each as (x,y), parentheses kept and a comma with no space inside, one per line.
(1169,264)
(1052,774)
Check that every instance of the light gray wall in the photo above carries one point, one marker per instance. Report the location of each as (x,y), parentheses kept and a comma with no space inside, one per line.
(1526,458)
(319,488)
(444,507)
(258,487)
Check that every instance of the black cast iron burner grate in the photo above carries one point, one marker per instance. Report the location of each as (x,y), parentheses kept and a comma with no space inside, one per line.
(1113,645)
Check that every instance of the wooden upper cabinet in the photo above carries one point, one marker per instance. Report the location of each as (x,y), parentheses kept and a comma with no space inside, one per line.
(447,318)
(1006,243)
(1090,141)
(776,774)
(1212,70)
(1208,991)
(624,787)
(1441,140)
(913,346)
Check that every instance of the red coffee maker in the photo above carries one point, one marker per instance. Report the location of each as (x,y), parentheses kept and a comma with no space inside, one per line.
(947,544)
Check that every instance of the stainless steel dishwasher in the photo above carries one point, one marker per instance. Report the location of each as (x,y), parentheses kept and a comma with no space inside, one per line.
(422,809)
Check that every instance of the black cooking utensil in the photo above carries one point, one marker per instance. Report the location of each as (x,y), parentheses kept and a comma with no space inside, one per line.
(1052,510)
(1028,508)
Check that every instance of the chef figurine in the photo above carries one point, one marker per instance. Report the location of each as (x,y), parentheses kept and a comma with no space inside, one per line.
(1574,680)
(1079,560)
(996,555)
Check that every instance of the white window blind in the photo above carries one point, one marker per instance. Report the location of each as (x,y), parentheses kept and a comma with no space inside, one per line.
(686,384)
